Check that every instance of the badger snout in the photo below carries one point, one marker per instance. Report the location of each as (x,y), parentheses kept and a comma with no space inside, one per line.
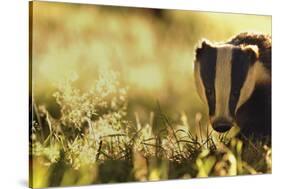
(222,125)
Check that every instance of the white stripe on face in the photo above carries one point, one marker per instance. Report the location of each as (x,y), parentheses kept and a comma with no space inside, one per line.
(199,83)
(249,85)
(223,81)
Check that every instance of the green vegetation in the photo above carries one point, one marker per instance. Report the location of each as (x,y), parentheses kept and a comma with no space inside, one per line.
(93,142)
(114,100)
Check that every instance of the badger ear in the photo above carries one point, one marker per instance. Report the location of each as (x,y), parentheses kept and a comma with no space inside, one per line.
(202,47)
(252,52)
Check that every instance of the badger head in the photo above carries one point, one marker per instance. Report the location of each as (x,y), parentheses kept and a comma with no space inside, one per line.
(225,80)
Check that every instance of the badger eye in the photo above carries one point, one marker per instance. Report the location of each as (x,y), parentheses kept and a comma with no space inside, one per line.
(235,94)
(208,91)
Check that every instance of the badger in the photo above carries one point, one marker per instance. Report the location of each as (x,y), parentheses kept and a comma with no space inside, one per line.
(233,79)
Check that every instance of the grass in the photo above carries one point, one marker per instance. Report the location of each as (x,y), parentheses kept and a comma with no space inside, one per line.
(99,126)
(93,141)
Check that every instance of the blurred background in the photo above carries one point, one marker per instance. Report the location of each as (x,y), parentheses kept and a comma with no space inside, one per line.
(98,71)
(151,49)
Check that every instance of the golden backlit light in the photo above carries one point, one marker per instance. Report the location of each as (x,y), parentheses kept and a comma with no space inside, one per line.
(114,97)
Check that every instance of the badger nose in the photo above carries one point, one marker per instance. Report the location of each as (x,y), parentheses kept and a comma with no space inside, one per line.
(221,125)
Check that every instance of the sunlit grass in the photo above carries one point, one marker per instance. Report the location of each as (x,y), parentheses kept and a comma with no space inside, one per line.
(114,98)
(93,137)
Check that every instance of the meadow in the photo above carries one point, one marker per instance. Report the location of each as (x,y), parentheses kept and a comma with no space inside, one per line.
(113,97)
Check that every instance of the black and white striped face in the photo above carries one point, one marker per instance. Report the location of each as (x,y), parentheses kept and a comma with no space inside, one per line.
(225,79)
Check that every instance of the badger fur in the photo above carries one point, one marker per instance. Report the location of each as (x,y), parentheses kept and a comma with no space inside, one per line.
(234,80)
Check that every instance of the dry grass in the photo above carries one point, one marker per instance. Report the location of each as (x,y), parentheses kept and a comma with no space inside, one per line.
(114,100)
(93,142)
